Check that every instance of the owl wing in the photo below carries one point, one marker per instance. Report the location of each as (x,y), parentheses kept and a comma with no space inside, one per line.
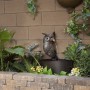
(50,50)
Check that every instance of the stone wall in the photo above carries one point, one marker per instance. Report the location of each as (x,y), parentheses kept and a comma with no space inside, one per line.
(51,17)
(28,81)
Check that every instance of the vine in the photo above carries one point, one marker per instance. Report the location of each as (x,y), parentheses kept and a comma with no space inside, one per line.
(32,7)
(79,21)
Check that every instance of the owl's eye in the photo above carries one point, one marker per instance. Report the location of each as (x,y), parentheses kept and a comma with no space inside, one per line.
(47,38)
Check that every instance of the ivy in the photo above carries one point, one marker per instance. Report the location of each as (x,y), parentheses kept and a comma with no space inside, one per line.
(79,21)
(32,7)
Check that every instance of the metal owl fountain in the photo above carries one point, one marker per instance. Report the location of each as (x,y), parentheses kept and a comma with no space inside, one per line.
(49,45)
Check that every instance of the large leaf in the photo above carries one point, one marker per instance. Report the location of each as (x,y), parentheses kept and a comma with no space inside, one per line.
(18,66)
(45,70)
(16,50)
(5,35)
(49,72)
(63,73)
(27,65)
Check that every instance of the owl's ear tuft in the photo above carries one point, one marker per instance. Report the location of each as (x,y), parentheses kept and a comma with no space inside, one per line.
(54,33)
(44,34)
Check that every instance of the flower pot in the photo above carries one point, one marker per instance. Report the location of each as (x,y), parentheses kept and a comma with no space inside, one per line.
(69,4)
(57,65)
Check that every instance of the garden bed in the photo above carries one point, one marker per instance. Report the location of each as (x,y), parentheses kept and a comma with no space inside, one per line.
(28,81)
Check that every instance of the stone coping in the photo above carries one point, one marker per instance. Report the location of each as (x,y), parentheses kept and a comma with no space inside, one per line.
(71,80)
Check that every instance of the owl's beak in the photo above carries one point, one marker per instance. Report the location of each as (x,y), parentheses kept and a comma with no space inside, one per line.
(53,40)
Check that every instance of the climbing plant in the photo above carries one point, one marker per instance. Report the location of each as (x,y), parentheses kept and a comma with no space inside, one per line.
(32,7)
(79,21)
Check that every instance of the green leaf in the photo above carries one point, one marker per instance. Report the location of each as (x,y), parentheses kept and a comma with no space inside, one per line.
(18,66)
(63,73)
(49,71)
(45,70)
(32,7)
(5,36)
(27,65)
(16,50)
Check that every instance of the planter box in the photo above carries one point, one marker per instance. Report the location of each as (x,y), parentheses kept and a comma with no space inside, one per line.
(57,65)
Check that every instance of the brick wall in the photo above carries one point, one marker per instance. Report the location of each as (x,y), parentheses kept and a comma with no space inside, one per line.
(28,81)
(51,17)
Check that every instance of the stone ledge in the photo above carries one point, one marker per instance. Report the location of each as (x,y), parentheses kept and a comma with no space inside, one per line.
(26,81)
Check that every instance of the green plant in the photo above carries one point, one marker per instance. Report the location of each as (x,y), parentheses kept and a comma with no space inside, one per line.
(32,7)
(79,21)
(84,62)
(86,7)
(28,61)
(74,28)
(73,51)
(80,54)
(26,66)
(47,71)
(78,51)
(41,70)
(63,73)
(7,54)
(5,36)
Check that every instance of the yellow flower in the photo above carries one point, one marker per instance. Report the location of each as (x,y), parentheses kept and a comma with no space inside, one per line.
(33,68)
(39,69)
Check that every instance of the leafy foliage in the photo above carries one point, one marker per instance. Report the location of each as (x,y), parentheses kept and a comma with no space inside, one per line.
(84,62)
(7,54)
(26,66)
(16,50)
(32,7)
(80,54)
(73,51)
(27,60)
(63,73)
(79,21)
(47,71)
(86,7)
(5,36)
(74,28)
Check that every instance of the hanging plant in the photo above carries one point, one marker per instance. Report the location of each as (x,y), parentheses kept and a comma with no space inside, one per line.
(74,28)
(32,7)
(70,5)
(79,21)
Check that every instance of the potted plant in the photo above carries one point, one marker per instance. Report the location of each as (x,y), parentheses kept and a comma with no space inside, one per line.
(78,22)
(69,4)
(56,64)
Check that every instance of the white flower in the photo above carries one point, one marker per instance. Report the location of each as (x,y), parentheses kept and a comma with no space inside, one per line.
(75,72)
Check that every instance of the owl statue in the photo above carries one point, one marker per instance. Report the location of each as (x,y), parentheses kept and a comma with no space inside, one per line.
(49,45)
